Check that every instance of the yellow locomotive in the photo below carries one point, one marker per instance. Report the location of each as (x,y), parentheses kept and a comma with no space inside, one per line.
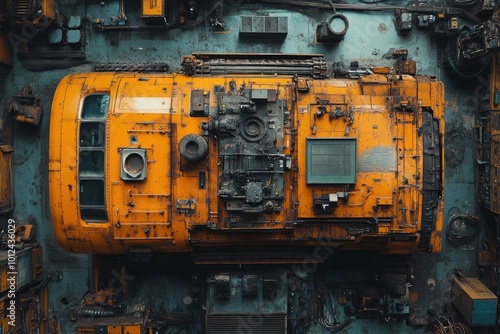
(245,164)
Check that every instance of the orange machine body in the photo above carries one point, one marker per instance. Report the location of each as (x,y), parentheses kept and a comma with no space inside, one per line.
(246,163)
(488,143)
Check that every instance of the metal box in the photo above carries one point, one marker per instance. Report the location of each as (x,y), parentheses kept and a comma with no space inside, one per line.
(153,8)
(264,26)
(28,268)
(476,303)
(134,164)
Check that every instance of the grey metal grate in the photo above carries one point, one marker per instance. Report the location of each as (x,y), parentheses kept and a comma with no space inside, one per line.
(264,26)
(331,160)
(22,7)
(246,323)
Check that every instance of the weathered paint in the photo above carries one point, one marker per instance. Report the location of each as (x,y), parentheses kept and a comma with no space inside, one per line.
(377,159)
(150,112)
(6,180)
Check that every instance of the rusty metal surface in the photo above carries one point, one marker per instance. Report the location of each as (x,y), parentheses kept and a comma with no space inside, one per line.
(270,64)
(26,107)
(6,180)
(362,42)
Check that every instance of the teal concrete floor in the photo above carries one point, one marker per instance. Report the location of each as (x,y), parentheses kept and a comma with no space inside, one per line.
(371,35)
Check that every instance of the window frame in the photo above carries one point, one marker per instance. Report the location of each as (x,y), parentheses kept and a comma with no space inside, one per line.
(93,213)
(312,179)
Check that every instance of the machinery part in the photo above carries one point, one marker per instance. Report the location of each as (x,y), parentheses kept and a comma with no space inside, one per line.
(134,164)
(253,129)
(461,328)
(199,103)
(353,72)
(210,64)
(102,298)
(469,54)
(192,10)
(224,310)
(126,67)
(121,18)
(425,21)
(244,323)
(332,30)
(193,148)
(6,181)
(462,229)
(403,65)
(95,312)
(463,3)
(335,328)
(413,7)
(250,286)
(480,40)
(153,11)
(222,286)
(474,301)
(23,8)
(264,26)
(402,22)
(217,19)
(186,206)
(253,191)
(433,171)
(19,12)
(26,107)
(24,232)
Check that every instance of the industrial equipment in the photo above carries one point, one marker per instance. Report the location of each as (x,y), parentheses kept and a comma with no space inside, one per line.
(487,145)
(40,14)
(26,107)
(290,179)
(246,164)
(475,301)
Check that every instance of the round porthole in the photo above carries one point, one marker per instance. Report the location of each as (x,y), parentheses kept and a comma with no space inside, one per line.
(338,25)
(133,164)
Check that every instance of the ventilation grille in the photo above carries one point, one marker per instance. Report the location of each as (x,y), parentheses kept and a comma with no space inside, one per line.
(331,160)
(22,7)
(264,26)
(246,323)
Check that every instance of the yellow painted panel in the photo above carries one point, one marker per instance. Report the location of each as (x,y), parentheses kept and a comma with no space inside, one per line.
(181,204)
(385,201)
(153,8)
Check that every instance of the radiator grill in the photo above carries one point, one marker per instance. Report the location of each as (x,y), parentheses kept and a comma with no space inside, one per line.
(246,324)
(22,7)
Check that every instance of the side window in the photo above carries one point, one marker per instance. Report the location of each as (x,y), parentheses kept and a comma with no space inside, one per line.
(92,157)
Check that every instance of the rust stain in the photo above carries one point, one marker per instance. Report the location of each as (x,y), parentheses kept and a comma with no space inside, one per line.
(468,121)
(413,296)
(452,104)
